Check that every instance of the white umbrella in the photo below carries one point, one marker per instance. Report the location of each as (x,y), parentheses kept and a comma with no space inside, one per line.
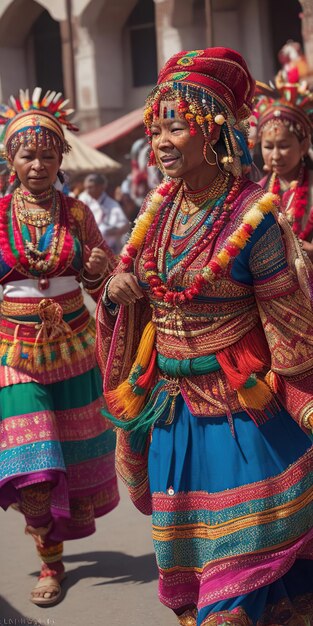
(83,159)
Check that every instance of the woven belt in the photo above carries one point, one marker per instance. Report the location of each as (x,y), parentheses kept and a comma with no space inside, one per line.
(188,367)
(17,308)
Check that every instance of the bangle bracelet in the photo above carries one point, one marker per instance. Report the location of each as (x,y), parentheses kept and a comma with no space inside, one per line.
(105,298)
(112,307)
(92,281)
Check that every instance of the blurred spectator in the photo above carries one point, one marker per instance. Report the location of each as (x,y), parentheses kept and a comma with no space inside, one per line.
(139,181)
(76,188)
(108,213)
(124,197)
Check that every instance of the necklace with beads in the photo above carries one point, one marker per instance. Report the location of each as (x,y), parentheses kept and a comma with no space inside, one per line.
(156,211)
(207,205)
(39,198)
(35,216)
(181,244)
(201,200)
(294,199)
(35,257)
(174,260)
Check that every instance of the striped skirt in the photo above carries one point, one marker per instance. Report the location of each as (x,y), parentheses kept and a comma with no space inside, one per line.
(51,427)
(232,519)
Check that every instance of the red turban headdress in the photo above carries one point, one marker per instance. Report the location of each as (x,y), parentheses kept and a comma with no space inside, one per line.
(220,71)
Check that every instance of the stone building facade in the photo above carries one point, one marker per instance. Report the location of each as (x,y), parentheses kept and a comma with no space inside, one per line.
(104,54)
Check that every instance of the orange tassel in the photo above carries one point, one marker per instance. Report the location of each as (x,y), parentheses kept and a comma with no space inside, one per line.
(256,397)
(127,400)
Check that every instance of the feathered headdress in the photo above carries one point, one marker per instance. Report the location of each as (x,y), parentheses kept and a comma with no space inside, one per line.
(35,120)
(289,103)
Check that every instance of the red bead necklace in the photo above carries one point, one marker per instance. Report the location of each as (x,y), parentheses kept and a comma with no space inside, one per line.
(158,287)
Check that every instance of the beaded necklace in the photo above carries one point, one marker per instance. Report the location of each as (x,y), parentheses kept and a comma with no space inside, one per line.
(39,199)
(209,212)
(50,255)
(33,216)
(158,204)
(294,199)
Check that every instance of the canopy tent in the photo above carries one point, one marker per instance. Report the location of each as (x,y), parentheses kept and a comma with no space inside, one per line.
(83,159)
(113,131)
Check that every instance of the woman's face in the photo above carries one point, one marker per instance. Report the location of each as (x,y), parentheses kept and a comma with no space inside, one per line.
(36,167)
(179,154)
(282,151)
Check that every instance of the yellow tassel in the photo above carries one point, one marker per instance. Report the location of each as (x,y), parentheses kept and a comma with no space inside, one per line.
(256,397)
(123,401)
(13,354)
(14,350)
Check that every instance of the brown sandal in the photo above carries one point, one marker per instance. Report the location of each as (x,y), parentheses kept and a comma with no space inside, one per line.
(48,583)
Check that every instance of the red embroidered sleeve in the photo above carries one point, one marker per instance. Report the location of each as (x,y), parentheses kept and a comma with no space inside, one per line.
(287,317)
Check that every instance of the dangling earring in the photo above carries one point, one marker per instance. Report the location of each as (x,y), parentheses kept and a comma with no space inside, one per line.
(216,159)
(12,177)
(205,154)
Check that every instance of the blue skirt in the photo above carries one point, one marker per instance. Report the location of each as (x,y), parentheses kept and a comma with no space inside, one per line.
(232,518)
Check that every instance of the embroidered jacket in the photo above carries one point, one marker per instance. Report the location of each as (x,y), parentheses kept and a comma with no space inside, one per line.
(255,312)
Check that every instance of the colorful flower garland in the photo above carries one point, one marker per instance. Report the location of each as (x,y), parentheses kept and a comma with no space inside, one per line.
(233,245)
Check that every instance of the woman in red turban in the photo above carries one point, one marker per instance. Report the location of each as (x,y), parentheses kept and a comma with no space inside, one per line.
(209,374)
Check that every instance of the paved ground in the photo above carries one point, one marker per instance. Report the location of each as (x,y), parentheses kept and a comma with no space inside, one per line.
(112,576)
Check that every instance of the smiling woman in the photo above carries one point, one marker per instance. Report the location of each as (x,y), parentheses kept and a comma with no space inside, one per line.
(204,379)
(56,449)
(179,154)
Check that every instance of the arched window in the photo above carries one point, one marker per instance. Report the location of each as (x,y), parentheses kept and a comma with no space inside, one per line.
(46,37)
(141,27)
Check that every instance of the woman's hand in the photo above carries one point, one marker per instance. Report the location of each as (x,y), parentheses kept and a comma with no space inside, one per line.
(124,289)
(95,261)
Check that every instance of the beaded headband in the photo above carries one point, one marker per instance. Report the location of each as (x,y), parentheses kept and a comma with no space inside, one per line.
(287,104)
(35,121)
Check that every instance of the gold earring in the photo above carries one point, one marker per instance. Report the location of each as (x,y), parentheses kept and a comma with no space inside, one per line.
(205,154)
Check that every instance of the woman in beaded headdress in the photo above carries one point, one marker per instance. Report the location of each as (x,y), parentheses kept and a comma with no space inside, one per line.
(56,449)
(283,122)
(211,392)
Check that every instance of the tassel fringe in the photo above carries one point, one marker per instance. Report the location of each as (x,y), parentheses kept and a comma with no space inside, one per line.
(128,399)
(257,396)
